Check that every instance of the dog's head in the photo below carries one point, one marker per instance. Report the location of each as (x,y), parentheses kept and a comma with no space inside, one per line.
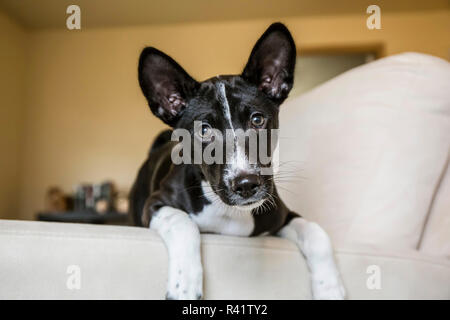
(224,108)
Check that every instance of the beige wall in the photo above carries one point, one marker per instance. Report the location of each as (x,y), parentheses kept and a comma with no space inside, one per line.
(12,71)
(86,119)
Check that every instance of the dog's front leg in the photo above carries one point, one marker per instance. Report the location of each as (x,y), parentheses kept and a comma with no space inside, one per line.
(316,247)
(182,239)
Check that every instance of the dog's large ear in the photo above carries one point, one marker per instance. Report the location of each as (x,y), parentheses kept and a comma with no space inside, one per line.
(165,84)
(272,62)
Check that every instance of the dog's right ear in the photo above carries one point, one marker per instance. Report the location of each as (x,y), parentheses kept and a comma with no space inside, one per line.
(165,84)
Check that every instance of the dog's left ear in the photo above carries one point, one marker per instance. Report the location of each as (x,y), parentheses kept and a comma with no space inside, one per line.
(272,62)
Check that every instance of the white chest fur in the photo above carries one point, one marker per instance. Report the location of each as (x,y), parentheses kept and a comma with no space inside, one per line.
(221,218)
(216,219)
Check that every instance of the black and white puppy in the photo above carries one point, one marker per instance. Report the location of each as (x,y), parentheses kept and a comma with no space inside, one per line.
(232,198)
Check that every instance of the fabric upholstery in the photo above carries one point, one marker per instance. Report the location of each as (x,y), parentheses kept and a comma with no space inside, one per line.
(362,154)
(436,235)
(131,263)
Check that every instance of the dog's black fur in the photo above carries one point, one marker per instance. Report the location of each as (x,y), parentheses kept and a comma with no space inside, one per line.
(178,100)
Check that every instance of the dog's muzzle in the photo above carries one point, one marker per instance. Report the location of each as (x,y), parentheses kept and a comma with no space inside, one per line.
(246,186)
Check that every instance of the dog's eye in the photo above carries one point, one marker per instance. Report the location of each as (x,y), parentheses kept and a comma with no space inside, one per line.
(205,132)
(257,120)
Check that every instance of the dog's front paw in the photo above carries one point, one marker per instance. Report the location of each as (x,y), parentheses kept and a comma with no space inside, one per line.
(185,284)
(327,287)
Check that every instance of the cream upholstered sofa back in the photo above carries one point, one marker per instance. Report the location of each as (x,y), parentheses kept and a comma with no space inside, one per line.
(365,153)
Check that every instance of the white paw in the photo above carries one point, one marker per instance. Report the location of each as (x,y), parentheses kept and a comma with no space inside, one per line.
(327,287)
(185,283)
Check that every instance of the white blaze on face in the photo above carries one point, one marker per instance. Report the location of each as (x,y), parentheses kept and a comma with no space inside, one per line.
(224,101)
(238,163)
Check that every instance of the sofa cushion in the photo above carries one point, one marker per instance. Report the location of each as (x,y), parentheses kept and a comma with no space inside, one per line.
(39,260)
(436,235)
(362,154)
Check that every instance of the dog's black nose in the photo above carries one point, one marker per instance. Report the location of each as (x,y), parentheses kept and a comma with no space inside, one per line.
(246,186)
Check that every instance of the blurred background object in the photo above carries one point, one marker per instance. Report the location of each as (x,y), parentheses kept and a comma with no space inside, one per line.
(71,108)
(55,200)
(121,202)
(92,203)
